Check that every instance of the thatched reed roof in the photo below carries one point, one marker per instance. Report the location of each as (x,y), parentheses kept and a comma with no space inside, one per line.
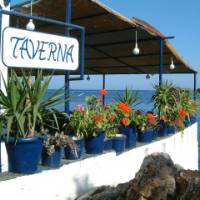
(110,38)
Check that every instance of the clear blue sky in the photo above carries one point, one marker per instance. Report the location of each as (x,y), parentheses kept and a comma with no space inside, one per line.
(180,18)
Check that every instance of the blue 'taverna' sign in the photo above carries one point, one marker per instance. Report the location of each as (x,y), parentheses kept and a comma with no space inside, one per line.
(23,48)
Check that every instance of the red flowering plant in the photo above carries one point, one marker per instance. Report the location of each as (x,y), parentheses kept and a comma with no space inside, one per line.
(187,108)
(103,92)
(77,121)
(85,121)
(124,104)
(111,121)
(143,122)
(152,120)
(96,117)
(189,105)
(124,114)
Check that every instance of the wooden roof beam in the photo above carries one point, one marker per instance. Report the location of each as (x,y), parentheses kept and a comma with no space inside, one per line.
(129,56)
(124,42)
(124,63)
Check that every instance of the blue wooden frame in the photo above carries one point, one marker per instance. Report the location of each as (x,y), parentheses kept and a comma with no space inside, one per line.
(195,85)
(161,61)
(67,74)
(68,26)
(52,21)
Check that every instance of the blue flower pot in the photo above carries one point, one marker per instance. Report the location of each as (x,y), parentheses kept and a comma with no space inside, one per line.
(163,129)
(119,143)
(130,133)
(155,134)
(146,136)
(23,155)
(95,145)
(193,119)
(108,144)
(52,160)
(73,155)
(171,129)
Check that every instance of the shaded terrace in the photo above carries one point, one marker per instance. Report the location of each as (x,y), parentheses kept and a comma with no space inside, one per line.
(110,39)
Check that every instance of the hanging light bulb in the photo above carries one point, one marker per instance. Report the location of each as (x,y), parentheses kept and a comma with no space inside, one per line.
(31,26)
(88,77)
(172,66)
(136,50)
(147,76)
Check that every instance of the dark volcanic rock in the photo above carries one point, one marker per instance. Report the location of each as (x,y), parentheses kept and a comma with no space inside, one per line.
(188,185)
(157,179)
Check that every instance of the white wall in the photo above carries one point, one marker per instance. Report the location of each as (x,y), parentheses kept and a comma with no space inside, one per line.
(107,169)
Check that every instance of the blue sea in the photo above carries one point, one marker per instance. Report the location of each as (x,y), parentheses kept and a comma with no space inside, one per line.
(78,97)
(144,100)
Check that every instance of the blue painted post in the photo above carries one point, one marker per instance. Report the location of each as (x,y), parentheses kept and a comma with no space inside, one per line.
(67,74)
(104,85)
(195,84)
(161,61)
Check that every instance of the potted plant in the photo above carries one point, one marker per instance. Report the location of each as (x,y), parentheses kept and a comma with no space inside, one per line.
(110,128)
(167,101)
(189,105)
(56,140)
(113,139)
(76,128)
(144,125)
(24,109)
(51,154)
(125,114)
(94,126)
(108,141)
(118,141)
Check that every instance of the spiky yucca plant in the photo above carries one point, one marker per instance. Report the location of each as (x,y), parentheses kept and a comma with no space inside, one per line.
(24,106)
(129,97)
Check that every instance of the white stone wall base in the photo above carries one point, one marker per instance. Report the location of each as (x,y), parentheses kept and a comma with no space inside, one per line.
(73,179)
(4,158)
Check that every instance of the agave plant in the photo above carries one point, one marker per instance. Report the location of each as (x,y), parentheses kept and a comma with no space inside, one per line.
(24,105)
(129,97)
(167,101)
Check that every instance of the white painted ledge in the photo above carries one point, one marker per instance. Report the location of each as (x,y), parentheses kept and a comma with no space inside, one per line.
(71,180)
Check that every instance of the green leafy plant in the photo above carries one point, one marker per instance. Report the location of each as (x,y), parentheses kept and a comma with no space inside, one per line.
(54,121)
(129,97)
(167,101)
(112,132)
(188,103)
(174,104)
(25,108)
(88,121)
(77,122)
(143,121)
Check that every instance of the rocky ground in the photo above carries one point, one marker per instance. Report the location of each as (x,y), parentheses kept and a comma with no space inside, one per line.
(158,179)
